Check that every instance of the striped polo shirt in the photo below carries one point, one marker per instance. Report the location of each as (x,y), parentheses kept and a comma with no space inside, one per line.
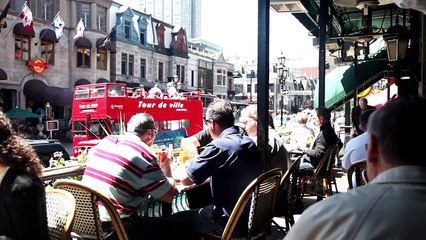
(124,169)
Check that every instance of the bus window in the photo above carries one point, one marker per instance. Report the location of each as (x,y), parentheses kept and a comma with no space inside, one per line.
(185,123)
(116,91)
(116,128)
(80,129)
(98,128)
(81,93)
(100,90)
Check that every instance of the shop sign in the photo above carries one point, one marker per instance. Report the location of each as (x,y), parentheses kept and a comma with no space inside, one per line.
(38,65)
(300,92)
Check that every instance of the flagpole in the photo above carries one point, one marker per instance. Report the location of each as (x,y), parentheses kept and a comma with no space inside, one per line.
(46,31)
(10,29)
(14,21)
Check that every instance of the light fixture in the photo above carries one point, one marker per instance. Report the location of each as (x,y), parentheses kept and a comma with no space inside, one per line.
(397,39)
(288,6)
(282,70)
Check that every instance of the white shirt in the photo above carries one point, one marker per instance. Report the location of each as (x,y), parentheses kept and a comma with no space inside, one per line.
(392,206)
(355,150)
(301,135)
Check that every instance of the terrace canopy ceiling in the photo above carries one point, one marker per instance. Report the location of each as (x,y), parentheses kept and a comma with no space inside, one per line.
(351,25)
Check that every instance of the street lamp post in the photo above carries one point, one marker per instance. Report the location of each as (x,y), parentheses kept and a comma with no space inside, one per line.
(251,86)
(282,72)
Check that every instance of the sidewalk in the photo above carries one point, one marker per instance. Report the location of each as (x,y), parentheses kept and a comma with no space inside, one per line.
(342,186)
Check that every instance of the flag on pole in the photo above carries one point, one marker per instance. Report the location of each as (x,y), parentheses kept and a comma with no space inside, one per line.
(58,26)
(79,30)
(106,40)
(27,17)
(3,23)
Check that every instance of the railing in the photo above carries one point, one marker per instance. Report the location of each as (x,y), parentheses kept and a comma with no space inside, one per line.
(51,174)
(151,207)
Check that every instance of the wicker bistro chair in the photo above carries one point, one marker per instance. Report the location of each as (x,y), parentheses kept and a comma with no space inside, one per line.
(87,223)
(323,176)
(357,171)
(262,192)
(287,195)
(60,207)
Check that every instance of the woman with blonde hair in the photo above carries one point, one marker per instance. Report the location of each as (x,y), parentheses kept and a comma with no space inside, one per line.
(22,194)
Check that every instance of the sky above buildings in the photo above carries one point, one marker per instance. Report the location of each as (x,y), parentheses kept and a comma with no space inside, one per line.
(232,24)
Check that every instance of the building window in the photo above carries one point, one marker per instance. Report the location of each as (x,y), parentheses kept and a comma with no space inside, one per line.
(127,25)
(22,47)
(101,19)
(83,12)
(143,68)
(83,57)
(48,51)
(142,37)
(180,72)
(160,71)
(221,77)
(160,35)
(101,58)
(192,78)
(124,64)
(44,9)
(131,64)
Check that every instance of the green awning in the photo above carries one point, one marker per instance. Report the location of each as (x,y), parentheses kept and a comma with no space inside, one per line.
(340,84)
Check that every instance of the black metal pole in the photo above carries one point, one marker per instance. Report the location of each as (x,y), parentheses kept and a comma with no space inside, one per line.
(263,79)
(323,20)
(251,87)
(282,108)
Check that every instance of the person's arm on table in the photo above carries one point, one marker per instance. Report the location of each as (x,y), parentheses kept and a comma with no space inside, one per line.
(164,162)
(168,197)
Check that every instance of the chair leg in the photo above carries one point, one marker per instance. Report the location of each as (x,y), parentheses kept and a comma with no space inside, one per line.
(335,184)
(327,189)
(302,186)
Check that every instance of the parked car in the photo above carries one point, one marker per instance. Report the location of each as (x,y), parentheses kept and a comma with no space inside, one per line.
(45,149)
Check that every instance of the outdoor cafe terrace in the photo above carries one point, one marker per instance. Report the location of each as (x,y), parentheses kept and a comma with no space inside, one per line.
(192,197)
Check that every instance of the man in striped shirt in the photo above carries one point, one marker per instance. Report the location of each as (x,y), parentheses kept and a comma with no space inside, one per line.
(126,169)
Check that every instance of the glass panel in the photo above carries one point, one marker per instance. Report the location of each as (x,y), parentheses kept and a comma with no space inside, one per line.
(127,25)
(46,10)
(101,19)
(123,63)
(160,71)
(143,67)
(101,57)
(79,129)
(116,91)
(83,12)
(82,93)
(79,57)
(131,64)
(87,57)
(83,57)
(47,51)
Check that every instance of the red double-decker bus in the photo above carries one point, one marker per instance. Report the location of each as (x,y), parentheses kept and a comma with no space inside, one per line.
(102,109)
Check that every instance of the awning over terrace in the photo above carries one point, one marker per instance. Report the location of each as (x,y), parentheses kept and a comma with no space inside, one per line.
(341,84)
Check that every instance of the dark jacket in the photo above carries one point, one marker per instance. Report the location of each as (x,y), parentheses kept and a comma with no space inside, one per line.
(325,139)
(355,114)
(22,207)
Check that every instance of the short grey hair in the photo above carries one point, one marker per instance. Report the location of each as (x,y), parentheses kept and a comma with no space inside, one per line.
(249,112)
(140,123)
